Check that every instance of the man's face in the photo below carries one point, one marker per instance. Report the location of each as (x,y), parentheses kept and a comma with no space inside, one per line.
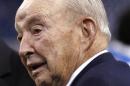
(49,41)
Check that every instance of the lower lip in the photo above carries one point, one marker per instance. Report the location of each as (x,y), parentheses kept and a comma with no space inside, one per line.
(36,72)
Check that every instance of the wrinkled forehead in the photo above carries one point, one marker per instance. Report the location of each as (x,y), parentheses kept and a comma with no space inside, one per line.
(47,7)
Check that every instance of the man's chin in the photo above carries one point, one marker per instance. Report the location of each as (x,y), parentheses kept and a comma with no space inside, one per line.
(40,83)
(43,81)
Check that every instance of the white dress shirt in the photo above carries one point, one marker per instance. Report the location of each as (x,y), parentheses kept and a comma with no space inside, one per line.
(79,69)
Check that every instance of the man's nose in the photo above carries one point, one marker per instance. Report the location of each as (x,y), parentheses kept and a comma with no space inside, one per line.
(25,47)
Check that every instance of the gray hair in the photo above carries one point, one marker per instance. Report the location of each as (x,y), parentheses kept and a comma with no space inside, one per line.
(91,8)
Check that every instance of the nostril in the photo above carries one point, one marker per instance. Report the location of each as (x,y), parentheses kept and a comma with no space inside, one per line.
(28,54)
(24,56)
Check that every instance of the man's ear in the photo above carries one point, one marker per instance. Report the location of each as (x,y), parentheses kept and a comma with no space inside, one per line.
(89,30)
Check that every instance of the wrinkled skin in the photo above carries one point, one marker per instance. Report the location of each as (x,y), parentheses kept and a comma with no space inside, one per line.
(49,41)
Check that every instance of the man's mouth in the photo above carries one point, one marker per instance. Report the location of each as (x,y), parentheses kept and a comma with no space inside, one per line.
(37,65)
(35,68)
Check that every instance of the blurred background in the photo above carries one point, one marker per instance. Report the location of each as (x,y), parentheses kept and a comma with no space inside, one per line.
(118,12)
(7,17)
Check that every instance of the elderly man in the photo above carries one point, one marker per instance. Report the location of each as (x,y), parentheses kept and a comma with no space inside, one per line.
(63,43)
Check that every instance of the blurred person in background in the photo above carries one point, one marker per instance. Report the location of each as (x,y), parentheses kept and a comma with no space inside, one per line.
(12,72)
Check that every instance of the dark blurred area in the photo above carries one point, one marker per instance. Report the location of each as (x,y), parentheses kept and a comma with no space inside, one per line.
(12,72)
(7,17)
(124,28)
(115,9)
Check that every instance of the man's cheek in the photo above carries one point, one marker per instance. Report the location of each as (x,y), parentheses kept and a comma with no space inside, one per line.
(43,46)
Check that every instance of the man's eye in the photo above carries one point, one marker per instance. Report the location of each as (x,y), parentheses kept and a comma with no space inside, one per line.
(36,29)
(19,38)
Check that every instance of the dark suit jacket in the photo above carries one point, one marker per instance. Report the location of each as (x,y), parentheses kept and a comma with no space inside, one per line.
(104,71)
(12,72)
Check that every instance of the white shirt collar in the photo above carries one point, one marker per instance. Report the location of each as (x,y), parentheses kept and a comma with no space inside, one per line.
(79,69)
